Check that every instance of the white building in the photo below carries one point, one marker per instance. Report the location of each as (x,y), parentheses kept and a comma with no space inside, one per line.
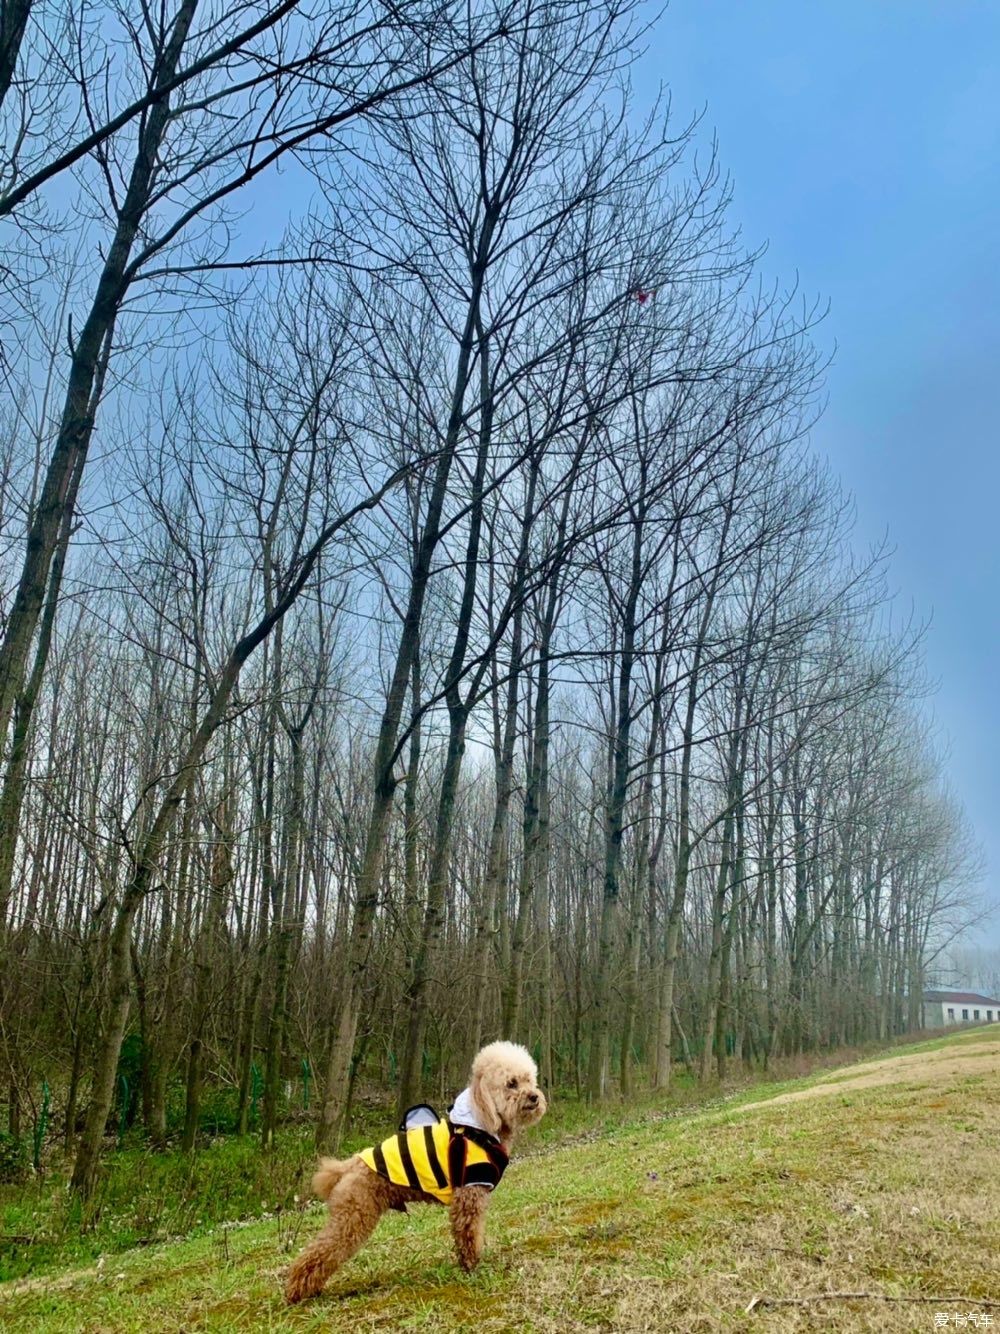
(943,1008)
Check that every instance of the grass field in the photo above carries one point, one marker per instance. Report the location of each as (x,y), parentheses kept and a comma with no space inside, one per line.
(882,1179)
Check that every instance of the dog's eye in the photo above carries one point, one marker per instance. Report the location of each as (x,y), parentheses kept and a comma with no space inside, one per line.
(512,1083)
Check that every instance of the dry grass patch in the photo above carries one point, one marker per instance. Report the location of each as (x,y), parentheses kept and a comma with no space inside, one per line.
(921,1070)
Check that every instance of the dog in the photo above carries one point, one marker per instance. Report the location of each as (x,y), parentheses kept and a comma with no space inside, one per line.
(455,1160)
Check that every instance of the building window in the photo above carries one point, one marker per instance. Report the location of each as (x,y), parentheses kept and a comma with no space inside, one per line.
(989,1016)
(975,1014)
(965,1014)
(951,1016)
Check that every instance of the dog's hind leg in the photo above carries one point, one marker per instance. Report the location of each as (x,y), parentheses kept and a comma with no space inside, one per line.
(328,1174)
(468,1224)
(355,1208)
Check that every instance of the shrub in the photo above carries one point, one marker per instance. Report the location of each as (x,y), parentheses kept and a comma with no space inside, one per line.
(218,1112)
(13,1158)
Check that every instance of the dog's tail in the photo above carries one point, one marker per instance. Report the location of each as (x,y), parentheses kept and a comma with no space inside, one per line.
(327,1175)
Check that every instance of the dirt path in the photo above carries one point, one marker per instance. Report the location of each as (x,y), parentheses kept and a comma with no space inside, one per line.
(978,1054)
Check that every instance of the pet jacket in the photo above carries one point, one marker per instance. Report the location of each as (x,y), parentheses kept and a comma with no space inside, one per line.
(438,1157)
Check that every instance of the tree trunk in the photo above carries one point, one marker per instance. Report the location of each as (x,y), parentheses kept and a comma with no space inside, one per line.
(721,921)
(344,1025)
(614,817)
(284,928)
(682,862)
(13,20)
(416,998)
(12,795)
(505,743)
(109,1046)
(85,384)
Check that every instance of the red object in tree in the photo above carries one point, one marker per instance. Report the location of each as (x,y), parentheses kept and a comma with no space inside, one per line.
(642,297)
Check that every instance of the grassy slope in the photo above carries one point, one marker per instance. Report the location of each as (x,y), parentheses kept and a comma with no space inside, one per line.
(671,1225)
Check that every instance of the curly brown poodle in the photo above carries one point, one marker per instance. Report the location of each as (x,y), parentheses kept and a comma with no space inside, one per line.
(455,1160)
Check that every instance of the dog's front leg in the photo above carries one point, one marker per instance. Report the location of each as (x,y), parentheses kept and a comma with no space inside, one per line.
(468,1223)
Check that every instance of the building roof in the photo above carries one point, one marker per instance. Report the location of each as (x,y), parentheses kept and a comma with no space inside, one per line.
(959,998)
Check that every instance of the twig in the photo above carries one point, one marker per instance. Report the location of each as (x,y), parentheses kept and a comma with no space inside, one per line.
(764,1300)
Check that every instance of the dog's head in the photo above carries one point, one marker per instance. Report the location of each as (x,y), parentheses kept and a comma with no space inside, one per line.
(504,1088)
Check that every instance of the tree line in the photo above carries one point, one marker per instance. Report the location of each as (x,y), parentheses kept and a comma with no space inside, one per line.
(424,619)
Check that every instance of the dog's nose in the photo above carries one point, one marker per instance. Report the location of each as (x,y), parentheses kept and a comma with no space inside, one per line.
(532,1098)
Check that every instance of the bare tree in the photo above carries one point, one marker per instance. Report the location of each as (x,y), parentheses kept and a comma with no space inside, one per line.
(218,104)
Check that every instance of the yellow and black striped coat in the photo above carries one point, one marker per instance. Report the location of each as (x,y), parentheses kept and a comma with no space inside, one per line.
(437,1158)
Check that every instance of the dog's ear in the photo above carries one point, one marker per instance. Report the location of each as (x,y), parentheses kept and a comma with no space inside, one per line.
(483,1104)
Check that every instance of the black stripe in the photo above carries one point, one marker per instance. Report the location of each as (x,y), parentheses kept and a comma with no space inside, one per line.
(485,1141)
(480,1174)
(380,1163)
(456,1160)
(440,1176)
(498,1157)
(404,1153)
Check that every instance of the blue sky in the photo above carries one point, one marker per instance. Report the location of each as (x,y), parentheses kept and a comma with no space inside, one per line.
(863,139)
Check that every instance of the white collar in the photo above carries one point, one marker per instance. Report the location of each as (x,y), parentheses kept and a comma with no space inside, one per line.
(463,1111)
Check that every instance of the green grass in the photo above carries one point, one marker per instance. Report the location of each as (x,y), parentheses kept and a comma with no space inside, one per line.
(146,1197)
(609,1221)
